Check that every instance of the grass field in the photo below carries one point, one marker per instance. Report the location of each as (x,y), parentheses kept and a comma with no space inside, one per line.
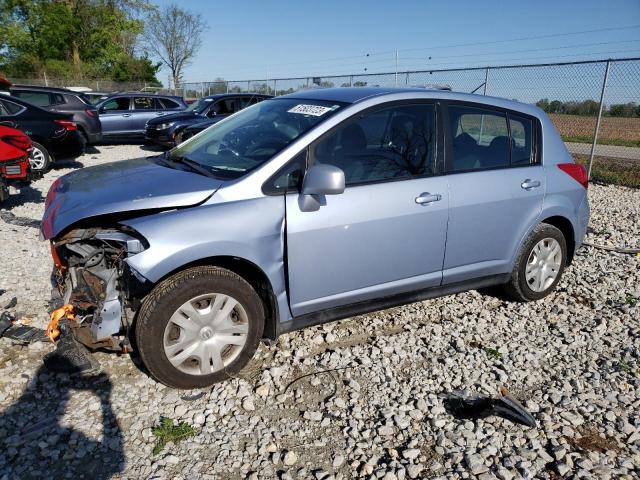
(617,171)
(613,130)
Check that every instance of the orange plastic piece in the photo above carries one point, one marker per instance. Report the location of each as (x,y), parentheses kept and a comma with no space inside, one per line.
(66,311)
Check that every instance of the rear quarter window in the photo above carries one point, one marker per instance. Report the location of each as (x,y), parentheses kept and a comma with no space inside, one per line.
(40,99)
(10,108)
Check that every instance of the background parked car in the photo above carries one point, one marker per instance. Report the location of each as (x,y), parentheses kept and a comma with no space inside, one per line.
(15,147)
(167,131)
(96,97)
(54,135)
(67,101)
(124,115)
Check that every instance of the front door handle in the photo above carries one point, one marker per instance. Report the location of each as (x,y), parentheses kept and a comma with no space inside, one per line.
(126,114)
(528,184)
(427,198)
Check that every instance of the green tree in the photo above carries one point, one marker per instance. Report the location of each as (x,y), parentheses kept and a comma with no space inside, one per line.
(543,104)
(74,39)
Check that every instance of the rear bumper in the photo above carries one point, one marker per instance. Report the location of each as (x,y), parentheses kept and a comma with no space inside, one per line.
(69,146)
(583,220)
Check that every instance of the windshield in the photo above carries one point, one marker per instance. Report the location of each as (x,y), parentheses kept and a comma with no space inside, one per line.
(246,140)
(199,105)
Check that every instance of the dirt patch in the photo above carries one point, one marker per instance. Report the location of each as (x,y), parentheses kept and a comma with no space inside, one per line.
(590,440)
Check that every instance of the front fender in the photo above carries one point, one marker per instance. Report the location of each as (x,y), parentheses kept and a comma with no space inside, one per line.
(252,230)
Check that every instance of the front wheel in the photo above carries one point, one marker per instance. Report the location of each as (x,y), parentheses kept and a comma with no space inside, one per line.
(539,265)
(39,159)
(199,327)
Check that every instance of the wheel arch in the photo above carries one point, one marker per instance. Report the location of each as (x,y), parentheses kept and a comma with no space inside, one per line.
(252,274)
(566,227)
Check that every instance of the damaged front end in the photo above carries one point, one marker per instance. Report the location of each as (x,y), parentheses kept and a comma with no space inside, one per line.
(98,289)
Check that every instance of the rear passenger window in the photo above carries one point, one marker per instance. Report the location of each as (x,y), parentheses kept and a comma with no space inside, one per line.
(143,103)
(168,104)
(41,99)
(521,140)
(390,144)
(480,139)
(58,99)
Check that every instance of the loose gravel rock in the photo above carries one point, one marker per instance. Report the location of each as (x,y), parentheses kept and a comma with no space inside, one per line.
(374,407)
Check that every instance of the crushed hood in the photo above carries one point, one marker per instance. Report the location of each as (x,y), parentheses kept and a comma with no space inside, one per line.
(137,185)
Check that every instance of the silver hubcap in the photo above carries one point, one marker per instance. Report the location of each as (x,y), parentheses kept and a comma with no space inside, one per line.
(37,159)
(543,264)
(206,334)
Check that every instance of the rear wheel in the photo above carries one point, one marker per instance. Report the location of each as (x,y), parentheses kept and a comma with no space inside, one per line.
(39,158)
(199,327)
(539,265)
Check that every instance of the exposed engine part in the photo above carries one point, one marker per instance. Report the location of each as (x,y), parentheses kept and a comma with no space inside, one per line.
(66,312)
(91,270)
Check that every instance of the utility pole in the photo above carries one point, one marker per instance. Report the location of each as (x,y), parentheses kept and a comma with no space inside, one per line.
(396,67)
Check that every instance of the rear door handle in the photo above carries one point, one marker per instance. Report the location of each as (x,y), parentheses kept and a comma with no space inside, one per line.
(528,184)
(427,198)
(126,114)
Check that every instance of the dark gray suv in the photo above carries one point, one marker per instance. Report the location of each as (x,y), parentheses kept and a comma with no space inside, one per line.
(65,101)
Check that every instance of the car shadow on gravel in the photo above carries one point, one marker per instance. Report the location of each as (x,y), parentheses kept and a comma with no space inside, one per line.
(66,163)
(154,148)
(36,443)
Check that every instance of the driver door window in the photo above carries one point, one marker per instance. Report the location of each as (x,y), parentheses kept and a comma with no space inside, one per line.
(119,104)
(391,144)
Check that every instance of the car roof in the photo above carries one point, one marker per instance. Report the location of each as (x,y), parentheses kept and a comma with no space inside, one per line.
(45,89)
(237,94)
(358,94)
(143,94)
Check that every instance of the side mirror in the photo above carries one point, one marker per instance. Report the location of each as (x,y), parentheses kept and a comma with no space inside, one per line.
(101,110)
(323,179)
(320,180)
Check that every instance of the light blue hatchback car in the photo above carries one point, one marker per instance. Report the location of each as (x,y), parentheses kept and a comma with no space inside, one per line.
(313,207)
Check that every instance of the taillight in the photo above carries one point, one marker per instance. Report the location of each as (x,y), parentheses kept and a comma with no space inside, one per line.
(91,113)
(68,125)
(21,142)
(577,172)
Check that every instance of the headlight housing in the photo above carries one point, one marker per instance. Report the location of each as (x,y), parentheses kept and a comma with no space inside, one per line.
(164,126)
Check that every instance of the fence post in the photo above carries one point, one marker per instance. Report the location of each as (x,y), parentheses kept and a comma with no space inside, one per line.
(351,80)
(227,83)
(595,133)
(406,78)
(248,85)
(275,83)
(486,79)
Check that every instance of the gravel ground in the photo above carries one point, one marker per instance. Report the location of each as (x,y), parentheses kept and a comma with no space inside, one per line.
(357,398)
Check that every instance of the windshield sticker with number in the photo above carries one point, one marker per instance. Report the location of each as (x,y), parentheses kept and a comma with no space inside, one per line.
(314,110)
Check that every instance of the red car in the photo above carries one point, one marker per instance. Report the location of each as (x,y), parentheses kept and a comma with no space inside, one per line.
(15,147)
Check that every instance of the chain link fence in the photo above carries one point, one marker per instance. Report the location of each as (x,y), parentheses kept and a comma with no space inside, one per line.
(94,85)
(570,92)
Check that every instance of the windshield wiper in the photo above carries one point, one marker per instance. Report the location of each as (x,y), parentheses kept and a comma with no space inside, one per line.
(193,165)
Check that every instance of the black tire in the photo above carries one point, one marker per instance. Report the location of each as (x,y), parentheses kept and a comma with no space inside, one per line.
(168,296)
(518,287)
(40,160)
